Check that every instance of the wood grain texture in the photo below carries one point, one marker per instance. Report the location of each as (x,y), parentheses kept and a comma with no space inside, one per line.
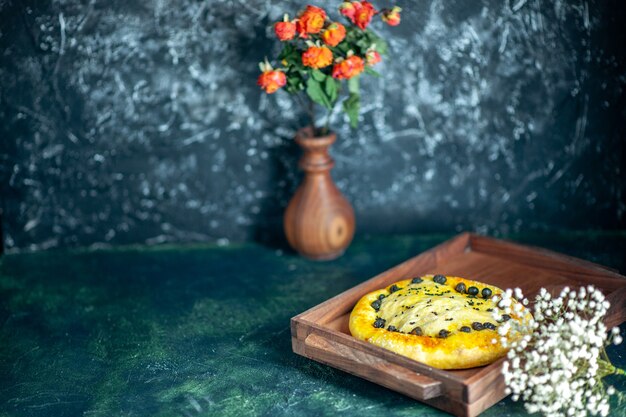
(541,257)
(371,367)
(322,333)
(319,221)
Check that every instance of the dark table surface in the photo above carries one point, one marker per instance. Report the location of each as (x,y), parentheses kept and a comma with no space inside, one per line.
(203,330)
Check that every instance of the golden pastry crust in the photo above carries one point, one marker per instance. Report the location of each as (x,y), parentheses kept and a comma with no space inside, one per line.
(432,322)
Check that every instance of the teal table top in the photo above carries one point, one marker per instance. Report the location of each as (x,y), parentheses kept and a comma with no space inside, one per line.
(203,331)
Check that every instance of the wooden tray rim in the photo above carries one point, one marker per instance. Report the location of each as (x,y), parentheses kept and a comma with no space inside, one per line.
(472,241)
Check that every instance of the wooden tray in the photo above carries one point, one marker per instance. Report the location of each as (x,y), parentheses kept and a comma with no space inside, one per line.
(322,334)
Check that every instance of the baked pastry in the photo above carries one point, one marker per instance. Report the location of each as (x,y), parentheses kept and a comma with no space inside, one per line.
(443,321)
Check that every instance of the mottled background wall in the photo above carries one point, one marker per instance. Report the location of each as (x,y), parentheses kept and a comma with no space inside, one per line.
(139,121)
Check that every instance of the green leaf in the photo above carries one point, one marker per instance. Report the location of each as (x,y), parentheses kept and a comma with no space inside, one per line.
(287,53)
(294,82)
(330,87)
(352,106)
(283,52)
(370,71)
(381,46)
(291,55)
(353,85)
(318,75)
(316,93)
(343,48)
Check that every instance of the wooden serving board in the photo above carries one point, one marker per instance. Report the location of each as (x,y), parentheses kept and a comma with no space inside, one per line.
(322,333)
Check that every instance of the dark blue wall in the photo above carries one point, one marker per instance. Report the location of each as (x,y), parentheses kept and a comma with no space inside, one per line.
(140,121)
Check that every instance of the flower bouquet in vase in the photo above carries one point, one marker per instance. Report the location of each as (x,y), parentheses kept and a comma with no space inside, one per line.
(321,63)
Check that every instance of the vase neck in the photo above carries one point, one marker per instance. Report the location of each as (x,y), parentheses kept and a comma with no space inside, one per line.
(315,158)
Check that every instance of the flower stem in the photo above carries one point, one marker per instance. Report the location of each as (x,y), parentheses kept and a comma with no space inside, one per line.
(308,107)
(329,116)
(606,368)
(312,114)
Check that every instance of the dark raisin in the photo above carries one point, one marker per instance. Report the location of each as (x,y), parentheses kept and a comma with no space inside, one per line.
(460,287)
(376,305)
(472,291)
(381,296)
(465,329)
(443,334)
(477,326)
(392,329)
(416,280)
(439,279)
(486,292)
(394,288)
(506,317)
(417,331)
(489,326)
(378,323)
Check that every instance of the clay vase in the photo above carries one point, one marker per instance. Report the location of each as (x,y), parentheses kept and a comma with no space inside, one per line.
(319,221)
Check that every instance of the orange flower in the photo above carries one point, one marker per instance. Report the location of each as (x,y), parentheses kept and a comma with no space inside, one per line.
(372,57)
(285,31)
(363,14)
(392,17)
(317,57)
(310,21)
(348,9)
(359,13)
(348,68)
(335,33)
(271,80)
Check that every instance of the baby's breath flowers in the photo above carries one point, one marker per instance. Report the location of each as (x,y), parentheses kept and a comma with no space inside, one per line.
(557,360)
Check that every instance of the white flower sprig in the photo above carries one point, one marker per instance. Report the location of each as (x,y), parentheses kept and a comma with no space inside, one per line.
(557,360)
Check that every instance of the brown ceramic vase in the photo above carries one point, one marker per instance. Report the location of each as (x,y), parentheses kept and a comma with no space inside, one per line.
(319,221)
